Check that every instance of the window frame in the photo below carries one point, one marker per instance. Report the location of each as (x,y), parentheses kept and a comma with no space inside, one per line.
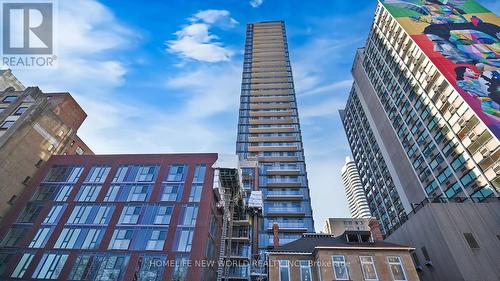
(372,263)
(280,266)
(400,263)
(343,262)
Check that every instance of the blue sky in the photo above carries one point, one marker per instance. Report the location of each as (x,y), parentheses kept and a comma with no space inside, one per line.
(165,76)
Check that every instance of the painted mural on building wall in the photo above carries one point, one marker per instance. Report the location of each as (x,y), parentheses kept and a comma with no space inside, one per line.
(463,39)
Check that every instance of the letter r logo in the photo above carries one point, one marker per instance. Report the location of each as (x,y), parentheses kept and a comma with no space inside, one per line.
(27,28)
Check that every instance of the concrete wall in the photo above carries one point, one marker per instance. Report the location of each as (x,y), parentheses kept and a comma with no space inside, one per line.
(440,229)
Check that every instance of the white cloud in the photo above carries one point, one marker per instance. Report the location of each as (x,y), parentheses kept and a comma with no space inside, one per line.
(220,17)
(194,41)
(256,3)
(329,88)
(211,89)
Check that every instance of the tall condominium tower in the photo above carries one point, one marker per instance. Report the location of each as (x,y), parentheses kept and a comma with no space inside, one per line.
(354,191)
(423,122)
(269,132)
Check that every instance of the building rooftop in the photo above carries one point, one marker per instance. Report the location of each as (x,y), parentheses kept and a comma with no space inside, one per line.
(350,239)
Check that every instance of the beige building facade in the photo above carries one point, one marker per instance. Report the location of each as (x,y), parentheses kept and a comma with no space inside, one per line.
(337,226)
(33,126)
(324,257)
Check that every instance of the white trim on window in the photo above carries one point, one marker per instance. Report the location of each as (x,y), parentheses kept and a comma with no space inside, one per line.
(372,263)
(398,262)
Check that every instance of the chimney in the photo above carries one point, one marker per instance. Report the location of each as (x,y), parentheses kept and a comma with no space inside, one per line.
(276,238)
(375,229)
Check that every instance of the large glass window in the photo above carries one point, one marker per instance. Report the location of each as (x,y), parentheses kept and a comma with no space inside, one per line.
(13,237)
(64,174)
(368,267)
(340,268)
(195,193)
(88,193)
(129,193)
(41,237)
(22,265)
(284,270)
(199,173)
(156,240)
(151,267)
(305,271)
(52,192)
(79,238)
(90,214)
(121,239)
(163,214)
(397,270)
(188,215)
(181,268)
(183,239)
(98,174)
(177,173)
(50,266)
(30,213)
(99,267)
(171,192)
(136,173)
(130,214)
(54,214)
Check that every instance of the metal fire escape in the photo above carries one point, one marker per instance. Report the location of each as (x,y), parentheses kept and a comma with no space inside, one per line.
(227,183)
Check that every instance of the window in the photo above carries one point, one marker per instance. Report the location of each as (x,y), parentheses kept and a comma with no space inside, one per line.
(181,267)
(9,99)
(163,215)
(156,240)
(398,273)
(90,214)
(340,268)
(138,193)
(22,265)
(195,194)
(426,254)
(79,267)
(2,109)
(469,237)
(88,193)
(136,173)
(79,238)
(30,213)
(171,192)
(177,173)
(41,237)
(98,174)
(305,271)
(284,272)
(183,239)
(130,215)
(20,110)
(99,267)
(121,239)
(369,271)
(188,215)
(64,174)
(199,173)
(13,237)
(6,125)
(50,266)
(54,214)
(109,267)
(151,267)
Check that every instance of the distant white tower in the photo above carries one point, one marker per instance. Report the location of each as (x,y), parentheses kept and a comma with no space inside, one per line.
(354,190)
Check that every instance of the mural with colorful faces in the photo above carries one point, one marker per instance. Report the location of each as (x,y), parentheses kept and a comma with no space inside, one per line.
(462,38)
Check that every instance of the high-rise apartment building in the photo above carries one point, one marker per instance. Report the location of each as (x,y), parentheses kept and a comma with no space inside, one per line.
(33,126)
(269,132)
(122,217)
(416,128)
(356,198)
(422,120)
